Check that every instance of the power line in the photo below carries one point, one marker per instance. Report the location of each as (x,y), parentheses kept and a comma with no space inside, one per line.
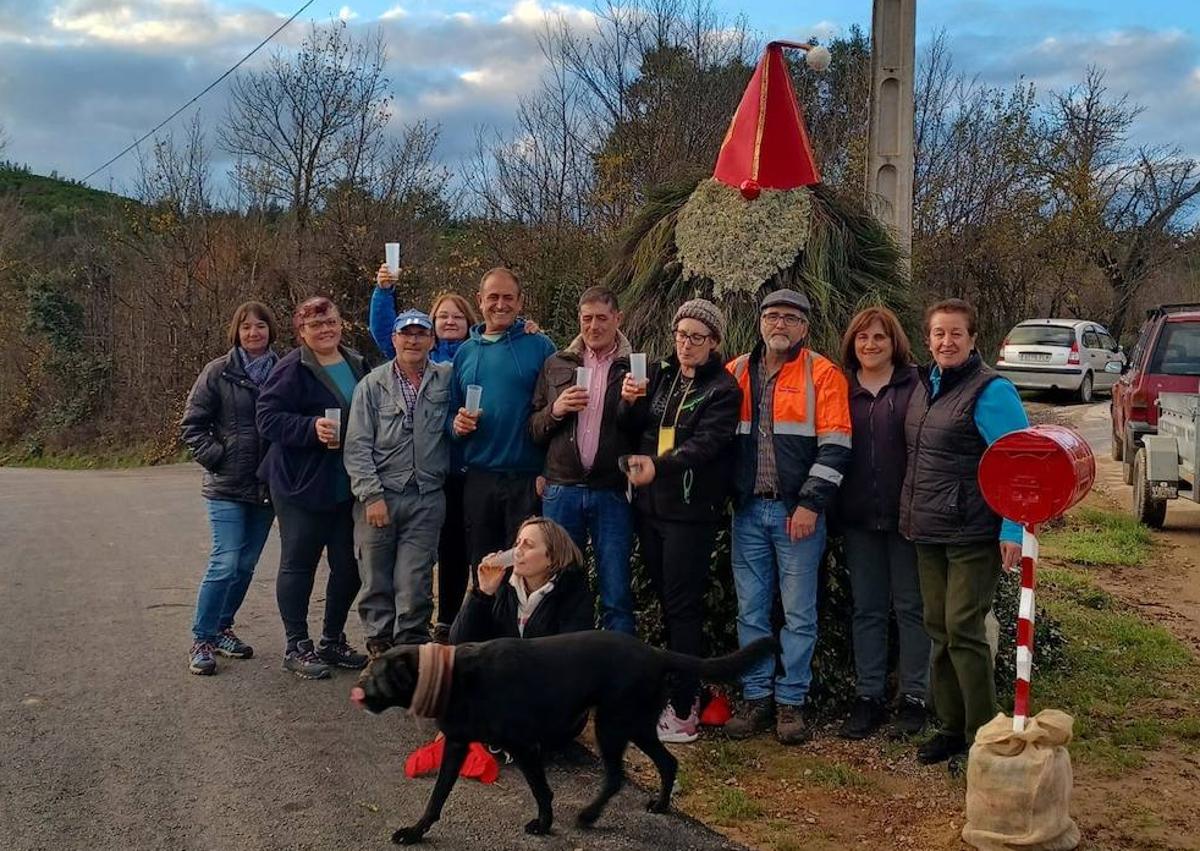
(207,89)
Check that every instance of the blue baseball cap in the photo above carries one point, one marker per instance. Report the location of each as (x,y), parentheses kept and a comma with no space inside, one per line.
(412,316)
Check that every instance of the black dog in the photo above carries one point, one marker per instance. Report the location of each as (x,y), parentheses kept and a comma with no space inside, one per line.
(526,695)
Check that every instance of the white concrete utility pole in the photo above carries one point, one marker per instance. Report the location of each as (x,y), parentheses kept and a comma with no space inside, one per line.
(890,162)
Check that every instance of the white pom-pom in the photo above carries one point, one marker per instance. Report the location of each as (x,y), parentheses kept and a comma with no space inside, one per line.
(818,57)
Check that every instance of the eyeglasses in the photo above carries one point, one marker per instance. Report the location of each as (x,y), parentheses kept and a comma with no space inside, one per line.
(414,332)
(791,320)
(314,324)
(695,339)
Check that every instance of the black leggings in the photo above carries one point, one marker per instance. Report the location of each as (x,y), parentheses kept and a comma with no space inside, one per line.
(452,552)
(677,558)
(303,534)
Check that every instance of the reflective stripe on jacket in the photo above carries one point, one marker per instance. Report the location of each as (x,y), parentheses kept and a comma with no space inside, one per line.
(811,431)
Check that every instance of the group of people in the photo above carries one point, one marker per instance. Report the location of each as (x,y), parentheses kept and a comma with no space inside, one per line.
(479,447)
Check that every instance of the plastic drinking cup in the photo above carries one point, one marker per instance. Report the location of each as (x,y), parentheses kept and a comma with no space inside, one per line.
(335,414)
(474,397)
(392,251)
(637,366)
(583,377)
(506,558)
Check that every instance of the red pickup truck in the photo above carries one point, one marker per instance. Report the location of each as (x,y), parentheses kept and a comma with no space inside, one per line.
(1165,357)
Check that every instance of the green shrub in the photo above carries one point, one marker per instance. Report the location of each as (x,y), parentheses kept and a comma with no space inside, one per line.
(833,660)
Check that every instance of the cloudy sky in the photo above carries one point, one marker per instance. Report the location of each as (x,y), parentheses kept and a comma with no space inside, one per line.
(81,79)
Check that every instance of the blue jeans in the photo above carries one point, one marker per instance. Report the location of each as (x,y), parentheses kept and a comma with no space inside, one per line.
(608,518)
(765,559)
(239,532)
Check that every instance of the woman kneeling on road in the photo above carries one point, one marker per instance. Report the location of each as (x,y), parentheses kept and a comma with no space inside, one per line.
(218,428)
(534,590)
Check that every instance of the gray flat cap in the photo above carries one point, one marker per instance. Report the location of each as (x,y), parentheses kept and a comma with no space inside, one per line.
(786,298)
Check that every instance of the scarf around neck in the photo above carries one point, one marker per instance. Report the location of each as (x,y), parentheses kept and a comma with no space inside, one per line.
(435,668)
(257,369)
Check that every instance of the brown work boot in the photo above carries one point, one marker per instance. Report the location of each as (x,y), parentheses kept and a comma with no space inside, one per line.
(792,726)
(751,718)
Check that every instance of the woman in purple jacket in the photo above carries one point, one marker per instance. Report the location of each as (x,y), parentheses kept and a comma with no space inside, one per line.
(309,487)
(883,565)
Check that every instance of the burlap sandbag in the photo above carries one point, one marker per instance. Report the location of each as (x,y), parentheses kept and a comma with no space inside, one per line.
(1019,786)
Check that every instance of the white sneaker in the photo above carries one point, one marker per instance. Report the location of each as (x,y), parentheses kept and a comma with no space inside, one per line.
(678,731)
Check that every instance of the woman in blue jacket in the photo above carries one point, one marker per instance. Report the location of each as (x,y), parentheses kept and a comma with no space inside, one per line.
(309,486)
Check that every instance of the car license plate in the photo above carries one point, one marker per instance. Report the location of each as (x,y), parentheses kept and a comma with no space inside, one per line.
(1163,491)
(1035,357)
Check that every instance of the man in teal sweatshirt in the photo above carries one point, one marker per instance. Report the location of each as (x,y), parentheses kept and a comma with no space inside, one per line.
(502,461)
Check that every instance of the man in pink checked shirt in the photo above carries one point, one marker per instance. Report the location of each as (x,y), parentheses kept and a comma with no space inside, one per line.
(585,491)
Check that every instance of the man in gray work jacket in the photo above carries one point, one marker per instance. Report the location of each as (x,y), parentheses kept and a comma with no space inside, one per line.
(397,454)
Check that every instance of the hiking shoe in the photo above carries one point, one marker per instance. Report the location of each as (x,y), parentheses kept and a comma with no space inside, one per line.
(340,654)
(751,718)
(228,644)
(866,716)
(941,747)
(376,647)
(441,633)
(303,661)
(911,716)
(201,660)
(792,725)
(679,731)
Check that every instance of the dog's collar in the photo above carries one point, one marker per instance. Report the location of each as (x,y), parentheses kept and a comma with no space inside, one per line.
(435,665)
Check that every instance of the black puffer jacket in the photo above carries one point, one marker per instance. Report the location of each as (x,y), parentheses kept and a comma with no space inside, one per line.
(693,480)
(218,427)
(568,607)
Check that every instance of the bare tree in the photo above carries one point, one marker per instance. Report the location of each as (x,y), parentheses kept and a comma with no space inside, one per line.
(302,125)
(1127,207)
(977,225)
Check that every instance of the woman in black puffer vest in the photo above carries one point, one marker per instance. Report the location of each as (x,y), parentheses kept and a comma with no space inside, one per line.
(219,428)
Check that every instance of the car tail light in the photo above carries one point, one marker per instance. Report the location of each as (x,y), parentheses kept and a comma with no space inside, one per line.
(1139,399)
(1003,349)
(1074,356)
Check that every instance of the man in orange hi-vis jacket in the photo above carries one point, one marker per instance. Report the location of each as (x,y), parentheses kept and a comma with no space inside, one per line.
(792,446)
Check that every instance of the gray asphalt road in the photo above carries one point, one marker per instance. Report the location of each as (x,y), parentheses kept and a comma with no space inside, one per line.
(106,742)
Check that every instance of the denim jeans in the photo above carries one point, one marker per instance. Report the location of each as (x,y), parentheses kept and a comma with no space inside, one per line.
(239,532)
(607,517)
(883,576)
(766,559)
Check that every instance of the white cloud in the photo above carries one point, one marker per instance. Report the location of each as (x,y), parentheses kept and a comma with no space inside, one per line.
(394,13)
(824,31)
(346,14)
(154,23)
(532,14)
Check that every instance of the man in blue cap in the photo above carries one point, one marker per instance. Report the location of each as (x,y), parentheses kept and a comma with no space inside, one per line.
(397,454)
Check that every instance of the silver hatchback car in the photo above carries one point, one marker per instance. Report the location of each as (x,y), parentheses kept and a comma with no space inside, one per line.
(1061,354)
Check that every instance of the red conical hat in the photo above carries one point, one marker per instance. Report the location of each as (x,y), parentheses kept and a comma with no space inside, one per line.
(766,145)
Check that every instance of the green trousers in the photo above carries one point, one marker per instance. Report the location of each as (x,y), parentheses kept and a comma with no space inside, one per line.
(958,585)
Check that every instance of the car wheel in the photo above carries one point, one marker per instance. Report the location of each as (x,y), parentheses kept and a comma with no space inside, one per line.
(1152,512)
(1085,389)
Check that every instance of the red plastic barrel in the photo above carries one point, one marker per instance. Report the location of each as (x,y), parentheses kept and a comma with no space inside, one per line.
(1036,474)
